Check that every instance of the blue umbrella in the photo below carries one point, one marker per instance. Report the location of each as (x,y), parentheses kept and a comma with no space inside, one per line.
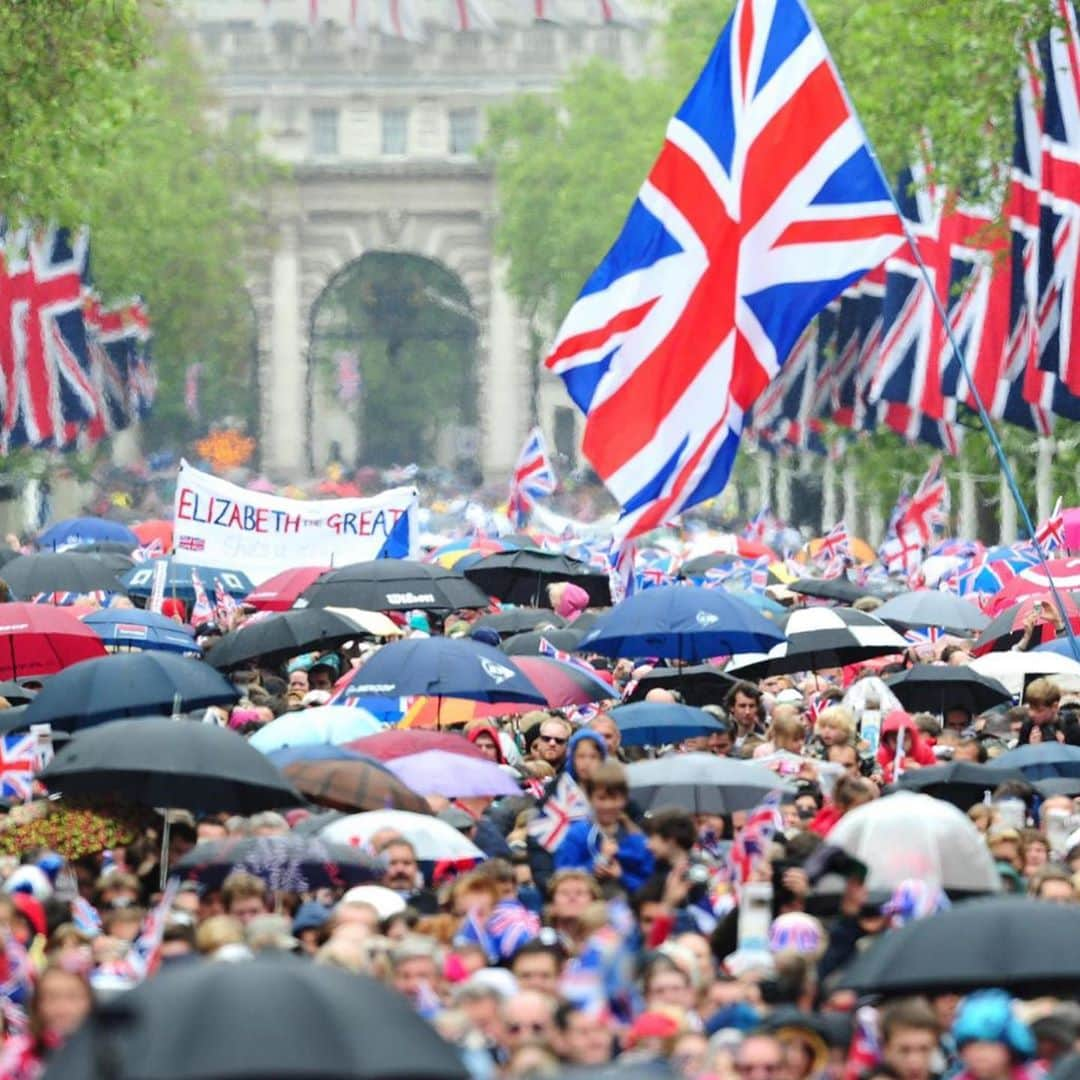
(1041,761)
(288,755)
(681,622)
(134,630)
(85,530)
(308,727)
(178,583)
(443,667)
(653,723)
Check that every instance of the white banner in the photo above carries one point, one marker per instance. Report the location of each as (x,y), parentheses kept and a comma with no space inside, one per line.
(216,523)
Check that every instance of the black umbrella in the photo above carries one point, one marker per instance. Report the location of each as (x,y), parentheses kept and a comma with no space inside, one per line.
(841,589)
(932,607)
(1022,945)
(962,783)
(529,644)
(393,585)
(701,684)
(127,684)
(152,761)
(286,863)
(700,565)
(66,571)
(701,783)
(519,620)
(276,1018)
(522,577)
(279,636)
(937,687)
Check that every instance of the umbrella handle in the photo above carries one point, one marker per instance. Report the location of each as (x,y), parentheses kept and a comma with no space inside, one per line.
(164,876)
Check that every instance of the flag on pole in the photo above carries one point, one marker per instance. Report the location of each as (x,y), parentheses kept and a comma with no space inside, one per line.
(202,610)
(470,15)
(18,762)
(534,477)
(834,544)
(1050,534)
(225,607)
(928,507)
(565,805)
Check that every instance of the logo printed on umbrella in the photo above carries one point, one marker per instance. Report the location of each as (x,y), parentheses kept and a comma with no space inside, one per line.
(496,672)
(410,598)
(372,688)
(706,618)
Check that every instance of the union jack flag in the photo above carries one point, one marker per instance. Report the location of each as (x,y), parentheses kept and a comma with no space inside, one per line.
(622,574)
(470,15)
(225,606)
(510,925)
(18,760)
(759,574)
(144,956)
(764,205)
(748,848)
(17,986)
(545,648)
(834,544)
(400,19)
(928,507)
(534,477)
(1050,534)
(565,805)
(202,610)
(761,525)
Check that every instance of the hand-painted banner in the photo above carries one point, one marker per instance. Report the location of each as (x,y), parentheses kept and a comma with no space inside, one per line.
(216,523)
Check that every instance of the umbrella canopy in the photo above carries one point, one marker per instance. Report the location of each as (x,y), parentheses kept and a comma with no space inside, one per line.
(38,640)
(443,667)
(279,636)
(823,637)
(67,571)
(701,684)
(85,530)
(152,761)
(157,530)
(437,772)
(431,838)
(138,630)
(520,620)
(353,785)
(937,687)
(1042,761)
(179,580)
(563,684)
(1019,944)
(1008,627)
(654,723)
(523,575)
(287,755)
(1058,785)
(275,1018)
(1015,669)
(841,589)
(15,693)
(280,592)
(908,835)
(334,724)
(128,684)
(932,607)
(701,783)
(1064,572)
(681,622)
(530,643)
(289,863)
(388,745)
(393,585)
(962,783)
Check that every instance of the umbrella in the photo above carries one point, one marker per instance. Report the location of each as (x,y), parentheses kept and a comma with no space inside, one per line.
(1015,669)
(152,761)
(136,630)
(29,575)
(931,607)
(937,687)
(393,585)
(280,592)
(822,637)
(277,1018)
(701,783)
(289,863)
(1007,627)
(520,620)
(128,684)
(178,580)
(962,783)
(15,693)
(1064,572)
(85,530)
(1062,646)
(443,667)
(841,589)
(432,839)
(702,684)
(287,755)
(564,684)
(700,565)
(436,772)
(1058,785)
(683,622)
(1042,761)
(333,724)
(654,723)
(281,635)
(907,835)
(1017,943)
(529,643)
(522,576)
(38,639)
(156,530)
(107,547)
(388,745)
(353,785)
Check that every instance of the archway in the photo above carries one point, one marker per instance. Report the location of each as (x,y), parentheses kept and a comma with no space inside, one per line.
(393,337)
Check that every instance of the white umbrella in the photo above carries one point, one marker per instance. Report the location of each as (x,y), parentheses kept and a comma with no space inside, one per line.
(907,835)
(1015,669)
(431,838)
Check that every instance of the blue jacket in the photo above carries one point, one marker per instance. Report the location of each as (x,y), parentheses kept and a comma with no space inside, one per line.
(581,845)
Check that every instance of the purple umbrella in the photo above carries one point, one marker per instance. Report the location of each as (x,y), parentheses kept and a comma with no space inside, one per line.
(436,772)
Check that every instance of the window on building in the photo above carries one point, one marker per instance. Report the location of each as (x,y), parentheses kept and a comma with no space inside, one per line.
(246,118)
(324,132)
(395,131)
(464,130)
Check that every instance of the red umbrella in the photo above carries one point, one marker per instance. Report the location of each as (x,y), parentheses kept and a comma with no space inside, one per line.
(1033,580)
(39,639)
(1007,628)
(563,684)
(280,592)
(753,549)
(387,745)
(157,529)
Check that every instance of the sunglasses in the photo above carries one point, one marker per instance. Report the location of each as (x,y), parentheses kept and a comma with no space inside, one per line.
(559,740)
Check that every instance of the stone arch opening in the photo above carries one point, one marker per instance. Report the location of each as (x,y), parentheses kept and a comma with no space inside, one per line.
(393,358)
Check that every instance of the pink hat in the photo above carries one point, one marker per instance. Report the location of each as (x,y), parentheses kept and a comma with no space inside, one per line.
(574,601)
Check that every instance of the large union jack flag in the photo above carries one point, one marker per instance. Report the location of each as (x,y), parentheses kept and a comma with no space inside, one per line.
(764,204)
(18,760)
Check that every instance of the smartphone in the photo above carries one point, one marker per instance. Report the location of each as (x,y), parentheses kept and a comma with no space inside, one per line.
(755,915)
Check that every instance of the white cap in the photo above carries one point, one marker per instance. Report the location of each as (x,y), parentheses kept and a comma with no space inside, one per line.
(385,901)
